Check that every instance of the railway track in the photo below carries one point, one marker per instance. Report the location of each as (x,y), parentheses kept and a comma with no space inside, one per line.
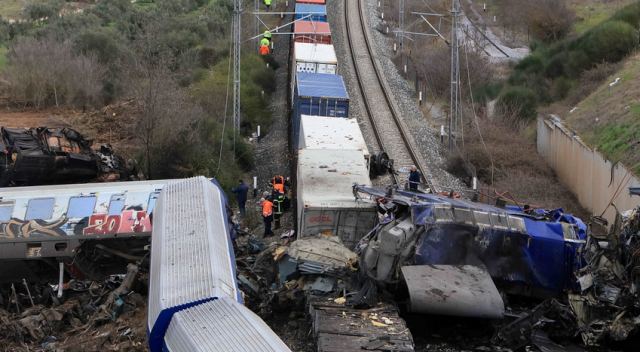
(391,134)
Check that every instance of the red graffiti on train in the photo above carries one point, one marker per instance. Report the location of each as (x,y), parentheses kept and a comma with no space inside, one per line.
(129,221)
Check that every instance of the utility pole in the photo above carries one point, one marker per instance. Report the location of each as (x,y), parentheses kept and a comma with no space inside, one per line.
(455,76)
(237,42)
(401,24)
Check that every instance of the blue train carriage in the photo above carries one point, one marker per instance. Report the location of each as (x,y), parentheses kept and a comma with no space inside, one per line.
(480,248)
(45,223)
(318,94)
(194,300)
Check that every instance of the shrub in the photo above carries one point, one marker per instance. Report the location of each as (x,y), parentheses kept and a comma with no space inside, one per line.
(38,10)
(519,102)
(560,88)
(629,14)
(610,41)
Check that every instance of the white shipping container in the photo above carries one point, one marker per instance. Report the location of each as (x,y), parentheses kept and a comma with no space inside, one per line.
(315,58)
(326,204)
(324,132)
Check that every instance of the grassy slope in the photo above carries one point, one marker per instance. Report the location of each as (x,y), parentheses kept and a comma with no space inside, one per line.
(609,118)
(590,13)
(11,8)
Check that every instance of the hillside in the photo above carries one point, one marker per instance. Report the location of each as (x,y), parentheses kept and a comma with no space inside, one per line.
(609,118)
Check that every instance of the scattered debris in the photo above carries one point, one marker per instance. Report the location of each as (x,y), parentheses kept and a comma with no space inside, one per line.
(607,303)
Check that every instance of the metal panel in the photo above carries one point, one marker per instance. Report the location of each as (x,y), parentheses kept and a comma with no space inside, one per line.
(453,290)
(191,256)
(222,325)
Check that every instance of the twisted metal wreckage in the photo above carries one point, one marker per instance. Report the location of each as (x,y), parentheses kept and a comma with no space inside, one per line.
(444,256)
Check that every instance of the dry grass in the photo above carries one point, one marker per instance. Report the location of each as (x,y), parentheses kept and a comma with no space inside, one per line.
(609,118)
(517,167)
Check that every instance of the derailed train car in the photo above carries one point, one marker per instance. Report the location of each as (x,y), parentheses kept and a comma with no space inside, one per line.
(452,255)
(38,156)
(93,227)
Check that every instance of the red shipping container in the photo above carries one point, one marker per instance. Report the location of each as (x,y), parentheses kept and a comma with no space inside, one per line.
(315,2)
(312,32)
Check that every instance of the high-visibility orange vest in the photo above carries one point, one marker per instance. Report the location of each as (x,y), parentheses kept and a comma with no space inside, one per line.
(264,50)
(279,187)
(267,208)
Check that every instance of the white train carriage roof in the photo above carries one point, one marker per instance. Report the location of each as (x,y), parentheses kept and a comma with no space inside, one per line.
(324,132)
(192,258)
(236,329)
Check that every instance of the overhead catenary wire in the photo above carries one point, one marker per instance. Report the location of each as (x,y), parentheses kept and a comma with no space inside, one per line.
(475,116)
(226,107)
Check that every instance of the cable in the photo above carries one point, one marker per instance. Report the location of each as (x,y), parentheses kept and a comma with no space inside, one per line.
(475,116)
(226,105)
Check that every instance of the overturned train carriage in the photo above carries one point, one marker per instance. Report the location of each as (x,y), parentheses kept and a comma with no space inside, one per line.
(194,300)
(452,253)
(94,228)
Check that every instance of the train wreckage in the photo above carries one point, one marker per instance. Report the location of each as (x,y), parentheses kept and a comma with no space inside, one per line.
(436,255)
(38,156)
(427,254)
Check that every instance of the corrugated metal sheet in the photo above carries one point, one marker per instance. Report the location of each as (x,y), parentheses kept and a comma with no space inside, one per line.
(191,254)
(321,85)
(585,171)
(222,325)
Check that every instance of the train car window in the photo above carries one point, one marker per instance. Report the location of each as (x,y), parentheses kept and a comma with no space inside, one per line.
(81,207)
(151,205)
(517,224)
(499,221)
(40,208)
(464,216)
(482,218)
(6,211)
(117,204)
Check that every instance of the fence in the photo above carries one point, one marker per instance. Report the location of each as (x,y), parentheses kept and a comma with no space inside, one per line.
(596,181)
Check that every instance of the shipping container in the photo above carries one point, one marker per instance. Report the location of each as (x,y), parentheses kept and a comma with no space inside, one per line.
(315,58)
(311,12)
(326,204)
(318,94)
(317,2)
(323,132)
(312,32)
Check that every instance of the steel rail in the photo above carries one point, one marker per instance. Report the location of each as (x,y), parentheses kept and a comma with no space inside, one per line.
(404,134)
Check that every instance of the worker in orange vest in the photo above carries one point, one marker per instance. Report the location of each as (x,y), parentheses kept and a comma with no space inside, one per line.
(264,50)
(267,216)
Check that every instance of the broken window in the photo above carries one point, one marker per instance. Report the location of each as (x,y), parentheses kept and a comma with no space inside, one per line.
(517,224)
(81,207)
(443,213)
(464,216)
(6,210)
(117,204)
(40,208)
(482,218)
(499,221)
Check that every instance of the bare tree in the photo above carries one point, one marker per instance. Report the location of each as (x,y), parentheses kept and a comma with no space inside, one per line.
(45,71)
